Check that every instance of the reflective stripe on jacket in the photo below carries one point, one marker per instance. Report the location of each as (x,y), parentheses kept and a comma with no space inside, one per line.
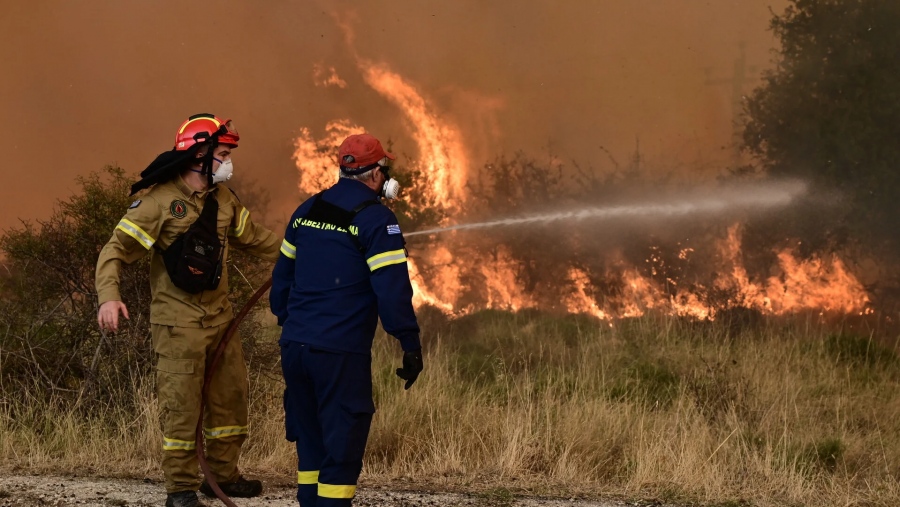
(151,224)
(326,292)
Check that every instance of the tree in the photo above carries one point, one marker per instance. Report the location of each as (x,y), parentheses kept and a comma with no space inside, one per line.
(829,112)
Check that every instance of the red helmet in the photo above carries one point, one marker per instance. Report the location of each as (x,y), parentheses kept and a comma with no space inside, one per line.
(200,128)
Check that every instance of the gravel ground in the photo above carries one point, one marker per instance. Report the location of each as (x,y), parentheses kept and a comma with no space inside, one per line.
(32,491)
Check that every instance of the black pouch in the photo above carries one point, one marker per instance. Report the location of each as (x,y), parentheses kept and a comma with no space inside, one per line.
(194,259)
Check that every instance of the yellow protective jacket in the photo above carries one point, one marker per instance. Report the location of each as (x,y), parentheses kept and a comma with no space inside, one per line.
(152,223)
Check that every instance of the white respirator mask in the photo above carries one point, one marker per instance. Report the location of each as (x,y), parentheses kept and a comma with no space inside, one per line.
(224,172)
(391,187)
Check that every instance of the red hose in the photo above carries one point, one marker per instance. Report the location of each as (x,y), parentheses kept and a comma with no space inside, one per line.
(210,368)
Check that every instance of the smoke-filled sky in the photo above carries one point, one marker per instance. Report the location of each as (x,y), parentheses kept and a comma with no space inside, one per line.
(89,83)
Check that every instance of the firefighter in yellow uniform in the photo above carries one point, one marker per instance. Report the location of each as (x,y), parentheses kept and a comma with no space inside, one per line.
(189,309)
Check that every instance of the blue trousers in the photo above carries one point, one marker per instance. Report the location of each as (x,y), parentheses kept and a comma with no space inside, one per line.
(328,412)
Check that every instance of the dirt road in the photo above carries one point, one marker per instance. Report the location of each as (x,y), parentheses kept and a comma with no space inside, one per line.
(32,491)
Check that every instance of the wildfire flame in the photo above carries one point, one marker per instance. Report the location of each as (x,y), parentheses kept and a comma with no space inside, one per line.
(327,76)
(816,283)
(317,159)
(811,284)
(442,158)
(458,277)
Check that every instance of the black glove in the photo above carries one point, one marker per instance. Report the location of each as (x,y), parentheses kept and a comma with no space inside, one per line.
(412,366)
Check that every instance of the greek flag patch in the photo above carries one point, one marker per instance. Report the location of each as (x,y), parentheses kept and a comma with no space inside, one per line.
(135,204)
(393,229)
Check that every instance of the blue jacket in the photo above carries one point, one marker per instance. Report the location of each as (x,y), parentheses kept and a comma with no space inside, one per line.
(328,293)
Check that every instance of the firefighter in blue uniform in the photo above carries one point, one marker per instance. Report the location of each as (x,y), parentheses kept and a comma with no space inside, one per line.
(342,266)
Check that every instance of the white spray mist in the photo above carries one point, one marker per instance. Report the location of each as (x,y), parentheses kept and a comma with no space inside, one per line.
(756,196)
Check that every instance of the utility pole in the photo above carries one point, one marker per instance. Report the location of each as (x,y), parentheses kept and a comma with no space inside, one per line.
(737,81)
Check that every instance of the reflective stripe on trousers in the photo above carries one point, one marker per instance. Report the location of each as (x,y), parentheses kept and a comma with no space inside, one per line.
(182,355)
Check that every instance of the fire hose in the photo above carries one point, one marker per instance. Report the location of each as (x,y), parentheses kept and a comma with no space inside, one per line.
(211,365)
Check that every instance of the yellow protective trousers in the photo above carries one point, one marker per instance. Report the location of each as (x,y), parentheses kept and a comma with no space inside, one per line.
(182,359)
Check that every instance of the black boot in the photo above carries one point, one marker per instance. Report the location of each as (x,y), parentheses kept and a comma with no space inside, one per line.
(182,499)
(241,488)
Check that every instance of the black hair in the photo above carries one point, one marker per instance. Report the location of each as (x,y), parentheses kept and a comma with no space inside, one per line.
(166,166)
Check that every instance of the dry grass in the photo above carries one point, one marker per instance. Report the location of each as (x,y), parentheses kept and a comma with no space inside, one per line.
(772,414)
